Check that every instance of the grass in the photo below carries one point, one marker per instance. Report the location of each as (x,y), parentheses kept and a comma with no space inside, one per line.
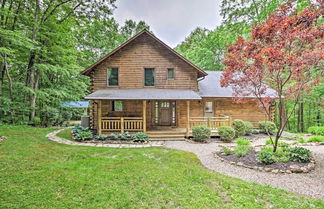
(66,134)
(38,173)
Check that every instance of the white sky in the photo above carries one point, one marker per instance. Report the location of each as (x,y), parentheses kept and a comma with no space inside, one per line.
(170,20)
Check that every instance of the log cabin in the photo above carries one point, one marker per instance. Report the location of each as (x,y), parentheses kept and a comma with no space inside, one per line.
(144,85)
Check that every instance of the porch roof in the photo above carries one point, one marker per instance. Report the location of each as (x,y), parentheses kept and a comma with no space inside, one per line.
(144,94)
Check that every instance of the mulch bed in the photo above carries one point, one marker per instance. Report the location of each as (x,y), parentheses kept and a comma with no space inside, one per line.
(251,160)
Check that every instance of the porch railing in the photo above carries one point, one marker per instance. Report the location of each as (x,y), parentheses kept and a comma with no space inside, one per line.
(211,122)
(122,124)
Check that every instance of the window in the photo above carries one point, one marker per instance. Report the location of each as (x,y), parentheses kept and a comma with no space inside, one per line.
(208,107)
(117,106)
(170,73)
(149,77)
(112,76)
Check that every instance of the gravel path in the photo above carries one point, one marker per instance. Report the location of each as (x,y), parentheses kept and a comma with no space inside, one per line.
(309,184)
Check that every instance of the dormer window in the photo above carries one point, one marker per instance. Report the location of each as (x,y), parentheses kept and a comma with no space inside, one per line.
(112,76)
(170,73)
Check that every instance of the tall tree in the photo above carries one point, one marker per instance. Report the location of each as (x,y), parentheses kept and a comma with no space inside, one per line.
(284,53)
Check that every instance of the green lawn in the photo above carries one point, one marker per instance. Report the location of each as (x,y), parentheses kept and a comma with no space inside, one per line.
(38,173)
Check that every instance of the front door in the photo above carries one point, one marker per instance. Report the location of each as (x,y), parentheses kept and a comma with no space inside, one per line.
(165,113)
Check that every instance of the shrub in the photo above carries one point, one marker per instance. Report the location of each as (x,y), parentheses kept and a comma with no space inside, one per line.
(101,137)
(239,127)
(299,154)
(114,136)
(140,137)
(316,139)
(301,140)
(80,134)
(226,133)
(201,133)
(317,130)
(248,128)
(37,121)
(124,136)
(242,150)
(266,156)
(77,129)
(84,135)
(267,127)
(256,131)
(242,141)
(227,150)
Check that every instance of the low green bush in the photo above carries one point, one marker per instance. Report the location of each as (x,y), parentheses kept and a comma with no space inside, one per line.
(301,140)
(114,136)
(83,136)
(226,133)
(248,128)
(256,131)
(124,136)
(37,121)
(267,127)
(140,137)
(242,150)
(227,150)
(102,137)
(242,141)
(266,156)
(299,154)
(201,133)
(316,130)
(239,127)
(316,139)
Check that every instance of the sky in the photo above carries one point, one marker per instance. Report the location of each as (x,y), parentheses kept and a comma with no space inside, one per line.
(170,20)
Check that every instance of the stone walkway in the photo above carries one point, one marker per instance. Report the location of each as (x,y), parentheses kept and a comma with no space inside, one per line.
(52,136)
(309,184)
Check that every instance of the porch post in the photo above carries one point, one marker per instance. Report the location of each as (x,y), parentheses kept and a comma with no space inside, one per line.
(144,115)
(99,117)
(188,118)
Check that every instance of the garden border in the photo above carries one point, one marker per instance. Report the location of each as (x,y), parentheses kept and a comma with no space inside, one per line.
(310,166)
(53,137)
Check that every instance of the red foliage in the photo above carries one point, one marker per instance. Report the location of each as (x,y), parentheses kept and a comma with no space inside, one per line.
(283,54)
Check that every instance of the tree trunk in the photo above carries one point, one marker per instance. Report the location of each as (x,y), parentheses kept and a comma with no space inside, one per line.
(10,87)
(33,98)
(30,80)
(1,84)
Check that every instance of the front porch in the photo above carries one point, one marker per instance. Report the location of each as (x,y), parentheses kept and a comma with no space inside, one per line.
(176,120)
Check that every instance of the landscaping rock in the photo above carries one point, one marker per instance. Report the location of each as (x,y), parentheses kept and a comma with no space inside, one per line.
(275,171)
(295,169)
(268,169)
(304,169)
(240,164)
(2,138)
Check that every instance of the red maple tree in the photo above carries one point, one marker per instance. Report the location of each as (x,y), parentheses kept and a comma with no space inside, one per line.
(284,54)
